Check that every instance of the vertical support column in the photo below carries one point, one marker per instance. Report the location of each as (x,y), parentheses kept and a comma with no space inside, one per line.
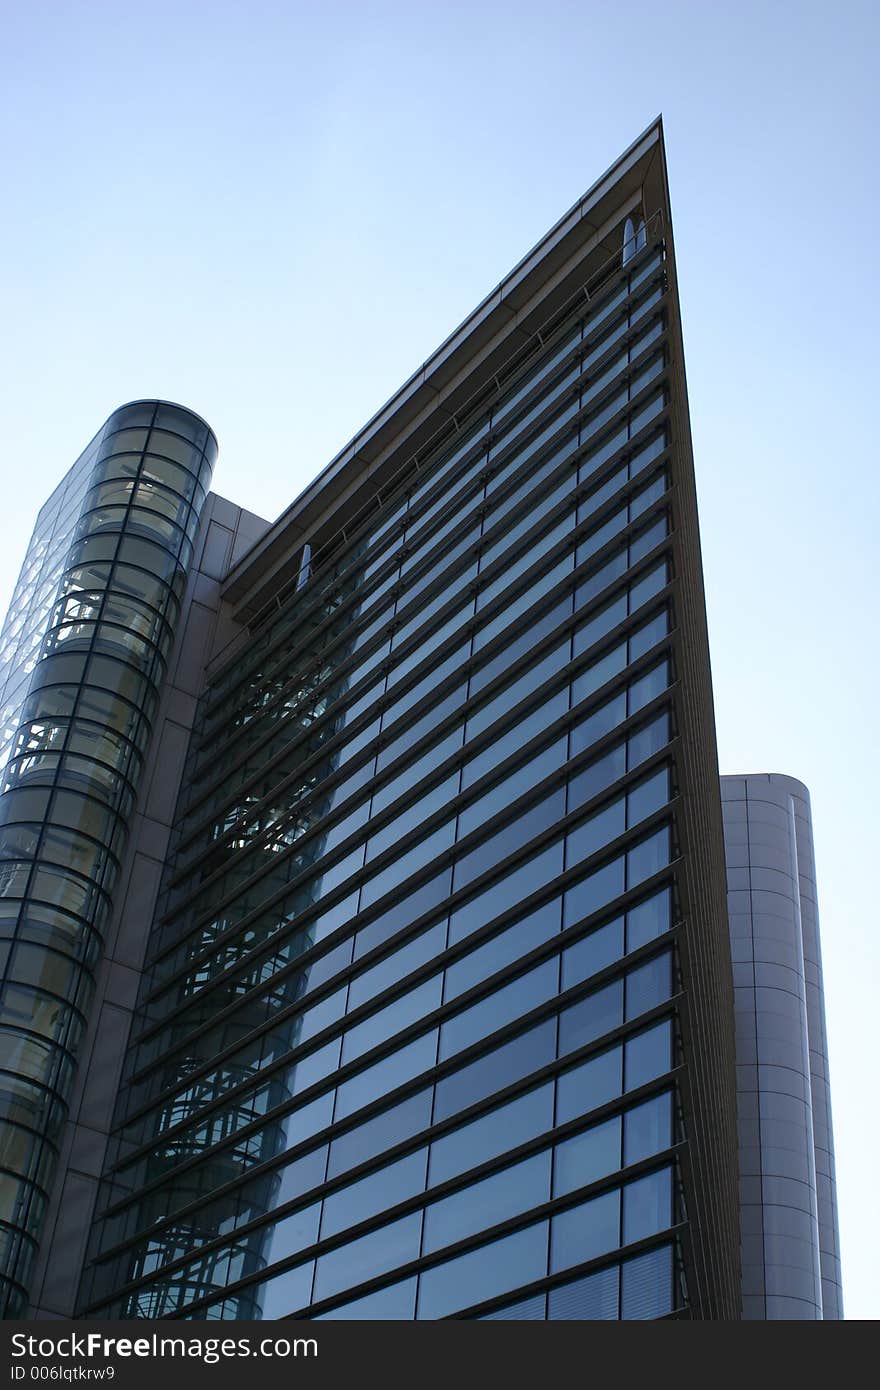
(820,1089)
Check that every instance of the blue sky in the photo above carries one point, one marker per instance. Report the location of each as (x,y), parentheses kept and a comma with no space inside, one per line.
(272,212)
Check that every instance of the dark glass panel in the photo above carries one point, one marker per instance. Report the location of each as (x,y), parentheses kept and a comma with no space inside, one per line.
(585,1231)
(589,1085)
(492,1134)
(505,1194)
(647,1206)
(587,1157)
(483,1273)
(495,1070)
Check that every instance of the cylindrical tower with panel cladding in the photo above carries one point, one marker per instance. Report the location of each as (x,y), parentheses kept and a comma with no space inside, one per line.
(791,1256)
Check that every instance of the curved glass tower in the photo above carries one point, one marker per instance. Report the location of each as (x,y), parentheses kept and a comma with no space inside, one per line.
(82,658)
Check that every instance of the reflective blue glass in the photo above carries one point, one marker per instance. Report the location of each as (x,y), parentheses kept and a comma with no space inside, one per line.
(587,1157)
(492,1134)
(487,1203)
(584,1232)
(484,1273)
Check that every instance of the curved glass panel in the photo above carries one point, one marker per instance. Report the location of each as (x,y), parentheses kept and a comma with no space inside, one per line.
(82,657)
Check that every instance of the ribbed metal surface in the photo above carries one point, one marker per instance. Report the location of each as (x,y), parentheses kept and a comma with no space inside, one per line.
(712,1246)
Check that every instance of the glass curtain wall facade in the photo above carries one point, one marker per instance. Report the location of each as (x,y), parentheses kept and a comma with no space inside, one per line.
(87,640)
(411,1039)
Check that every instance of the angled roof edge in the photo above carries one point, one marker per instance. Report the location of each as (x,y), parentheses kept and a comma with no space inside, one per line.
(432,379)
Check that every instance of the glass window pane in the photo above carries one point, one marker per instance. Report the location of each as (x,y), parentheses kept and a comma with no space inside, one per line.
(647,1206)
(396,1303)
(647,1128)
(373,1254)
(648,919)
(592,953)
(529,775)
(589,1085)
(484,1204)
(648,985)
(651,632)
(498,1068)
(409,909)
(648,687)
(647,587)
(587,1157)
(398,965)
(598,830)
(506,893)
(501,950)
(375,1193)
(493,1269)
(647,797)
(584,1232)
(384,1076)
(390,1127)
(510,1002)
(503,1128)
(594,891)
(594,778)
(607,716)
(647,858)
(646,1285)
(648,1055)
(284,1294)
(591,1017)
(591,1299)
(527,1310)
(597,627)
(383,1024)
(530,822)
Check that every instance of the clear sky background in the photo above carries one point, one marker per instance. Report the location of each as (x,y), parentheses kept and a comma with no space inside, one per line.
(273,212)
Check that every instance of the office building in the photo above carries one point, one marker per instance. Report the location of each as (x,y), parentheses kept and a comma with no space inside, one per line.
(415,995)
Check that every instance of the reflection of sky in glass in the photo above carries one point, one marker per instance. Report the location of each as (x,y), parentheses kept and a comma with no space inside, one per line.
(36,591)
